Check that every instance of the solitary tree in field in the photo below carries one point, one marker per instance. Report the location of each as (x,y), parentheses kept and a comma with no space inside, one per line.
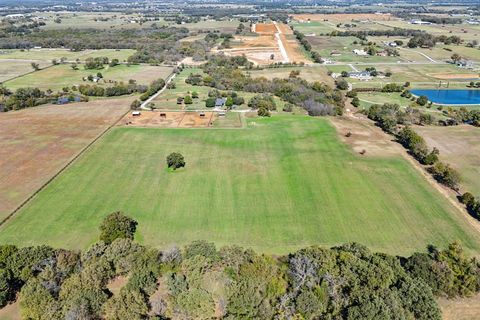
(117,225)
(188,100)
(456,57)
(175,160)
(35,66)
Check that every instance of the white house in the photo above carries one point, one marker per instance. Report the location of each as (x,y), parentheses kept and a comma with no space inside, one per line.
(360,52)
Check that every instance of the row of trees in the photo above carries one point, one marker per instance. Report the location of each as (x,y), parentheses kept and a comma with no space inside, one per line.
(387,116)
(203,282)
(316,57)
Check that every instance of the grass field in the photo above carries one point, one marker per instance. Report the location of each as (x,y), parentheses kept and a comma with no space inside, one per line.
(47,55)
(60,76)
(40,140)
(281,183)
(12,69)
(313,73)
(460,147)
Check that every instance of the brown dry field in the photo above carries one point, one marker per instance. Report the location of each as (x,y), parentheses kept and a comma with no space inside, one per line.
(460,147)
(172,119)
(284,28)
(365,136)
(265,28)
(343,17)
(454,75)
(255,42)
(259,49)
(11,311)
(37,142)
(293,49)
(460,309)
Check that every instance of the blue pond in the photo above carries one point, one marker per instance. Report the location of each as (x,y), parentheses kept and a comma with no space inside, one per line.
(460,97)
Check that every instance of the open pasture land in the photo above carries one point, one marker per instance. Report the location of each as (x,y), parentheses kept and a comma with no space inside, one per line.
(208,25)
(57,77)
(279,184)
(460,147)
(465,31)
(10,69)
(460,308)
(310,73)
(37,142)
(344,17)
(47,55)
(340,49)
(95,20)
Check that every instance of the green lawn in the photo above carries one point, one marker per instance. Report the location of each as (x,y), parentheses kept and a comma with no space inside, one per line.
(60,76)
(281,183)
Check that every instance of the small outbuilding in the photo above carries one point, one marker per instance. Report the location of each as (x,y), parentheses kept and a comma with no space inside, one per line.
(136,113)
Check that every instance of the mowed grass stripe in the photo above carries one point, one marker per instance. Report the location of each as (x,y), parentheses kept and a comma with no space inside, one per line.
(277,185)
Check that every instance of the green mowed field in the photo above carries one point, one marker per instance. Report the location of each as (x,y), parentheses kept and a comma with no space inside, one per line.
(57,77)
(279,184)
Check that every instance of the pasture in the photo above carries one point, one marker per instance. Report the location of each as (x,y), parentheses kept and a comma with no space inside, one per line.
(279,184)
(460,147)
(57,77)
(10,69)
(311,73)
(47,55)
(37,142)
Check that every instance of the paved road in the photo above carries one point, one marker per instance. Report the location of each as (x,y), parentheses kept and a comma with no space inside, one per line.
(143,106)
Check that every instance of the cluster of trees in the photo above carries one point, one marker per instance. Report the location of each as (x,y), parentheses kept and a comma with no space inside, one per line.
(21,98)
(223,73)
(231,98)
(472,204)
(118,89)
(465,115)
(203,282)
(154,87)
(427,40)
(89,38)
(393,87)
(263,103)
(32,97)
(96,63)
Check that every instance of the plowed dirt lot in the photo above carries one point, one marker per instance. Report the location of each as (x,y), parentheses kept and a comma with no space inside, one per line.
(37,142)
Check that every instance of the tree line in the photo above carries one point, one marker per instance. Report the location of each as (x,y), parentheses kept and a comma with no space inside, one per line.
(200,281)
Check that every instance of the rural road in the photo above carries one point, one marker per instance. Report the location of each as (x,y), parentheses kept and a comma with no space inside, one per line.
(143,106)
(283,51)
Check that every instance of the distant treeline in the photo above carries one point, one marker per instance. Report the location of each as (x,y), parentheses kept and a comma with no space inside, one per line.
(429,18)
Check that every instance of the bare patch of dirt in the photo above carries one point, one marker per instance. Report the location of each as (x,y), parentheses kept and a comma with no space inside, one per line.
(454,75)
(37,142)
(460,309)
(11,311)
(265,28)
(171,119)
(117,284)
